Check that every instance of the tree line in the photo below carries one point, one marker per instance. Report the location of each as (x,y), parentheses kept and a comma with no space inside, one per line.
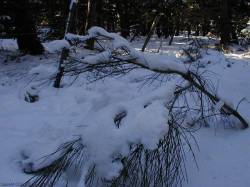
(22,19)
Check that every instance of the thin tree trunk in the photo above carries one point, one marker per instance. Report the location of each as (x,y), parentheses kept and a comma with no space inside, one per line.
(160,46)
(154,24)
(64,56)
(225,23)
(171,39)
(70,21)
(87,16)
(90,21)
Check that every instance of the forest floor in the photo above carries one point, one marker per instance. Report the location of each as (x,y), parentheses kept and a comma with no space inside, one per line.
(32,130)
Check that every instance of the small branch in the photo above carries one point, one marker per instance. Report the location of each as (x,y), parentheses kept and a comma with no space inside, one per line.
(189,77)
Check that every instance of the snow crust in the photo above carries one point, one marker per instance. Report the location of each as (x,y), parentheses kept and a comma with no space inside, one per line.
(56,45)
(98,58)
(43,71)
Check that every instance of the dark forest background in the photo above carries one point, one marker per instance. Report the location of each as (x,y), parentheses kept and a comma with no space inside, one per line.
(28,19)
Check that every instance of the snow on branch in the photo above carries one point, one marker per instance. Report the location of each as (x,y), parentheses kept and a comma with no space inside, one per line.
(107,149)
(118,43)
(134,141)
(120,50)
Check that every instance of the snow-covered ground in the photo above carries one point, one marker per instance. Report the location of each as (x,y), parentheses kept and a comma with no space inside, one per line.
(32,130)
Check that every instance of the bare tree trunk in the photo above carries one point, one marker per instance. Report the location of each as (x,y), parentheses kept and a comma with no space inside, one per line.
(155,22)
(124,20)
(225,23)
(88,16)
(25,29)
(90,21)
(64,56)
(171,39)
(70,26)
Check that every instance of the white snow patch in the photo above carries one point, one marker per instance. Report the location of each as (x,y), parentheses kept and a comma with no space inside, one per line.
(43,71)
(56,45)
(8,45)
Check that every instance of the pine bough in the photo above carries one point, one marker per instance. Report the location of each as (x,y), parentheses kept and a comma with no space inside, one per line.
(146,135)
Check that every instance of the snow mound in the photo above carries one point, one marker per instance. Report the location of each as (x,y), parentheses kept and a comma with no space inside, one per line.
(144,122)
(43,71)
(56,45)
(8,45)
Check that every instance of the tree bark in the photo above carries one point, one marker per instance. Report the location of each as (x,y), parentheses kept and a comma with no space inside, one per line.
(59,75)
(225,23)
(25,30)
(70,25)
(124,20)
